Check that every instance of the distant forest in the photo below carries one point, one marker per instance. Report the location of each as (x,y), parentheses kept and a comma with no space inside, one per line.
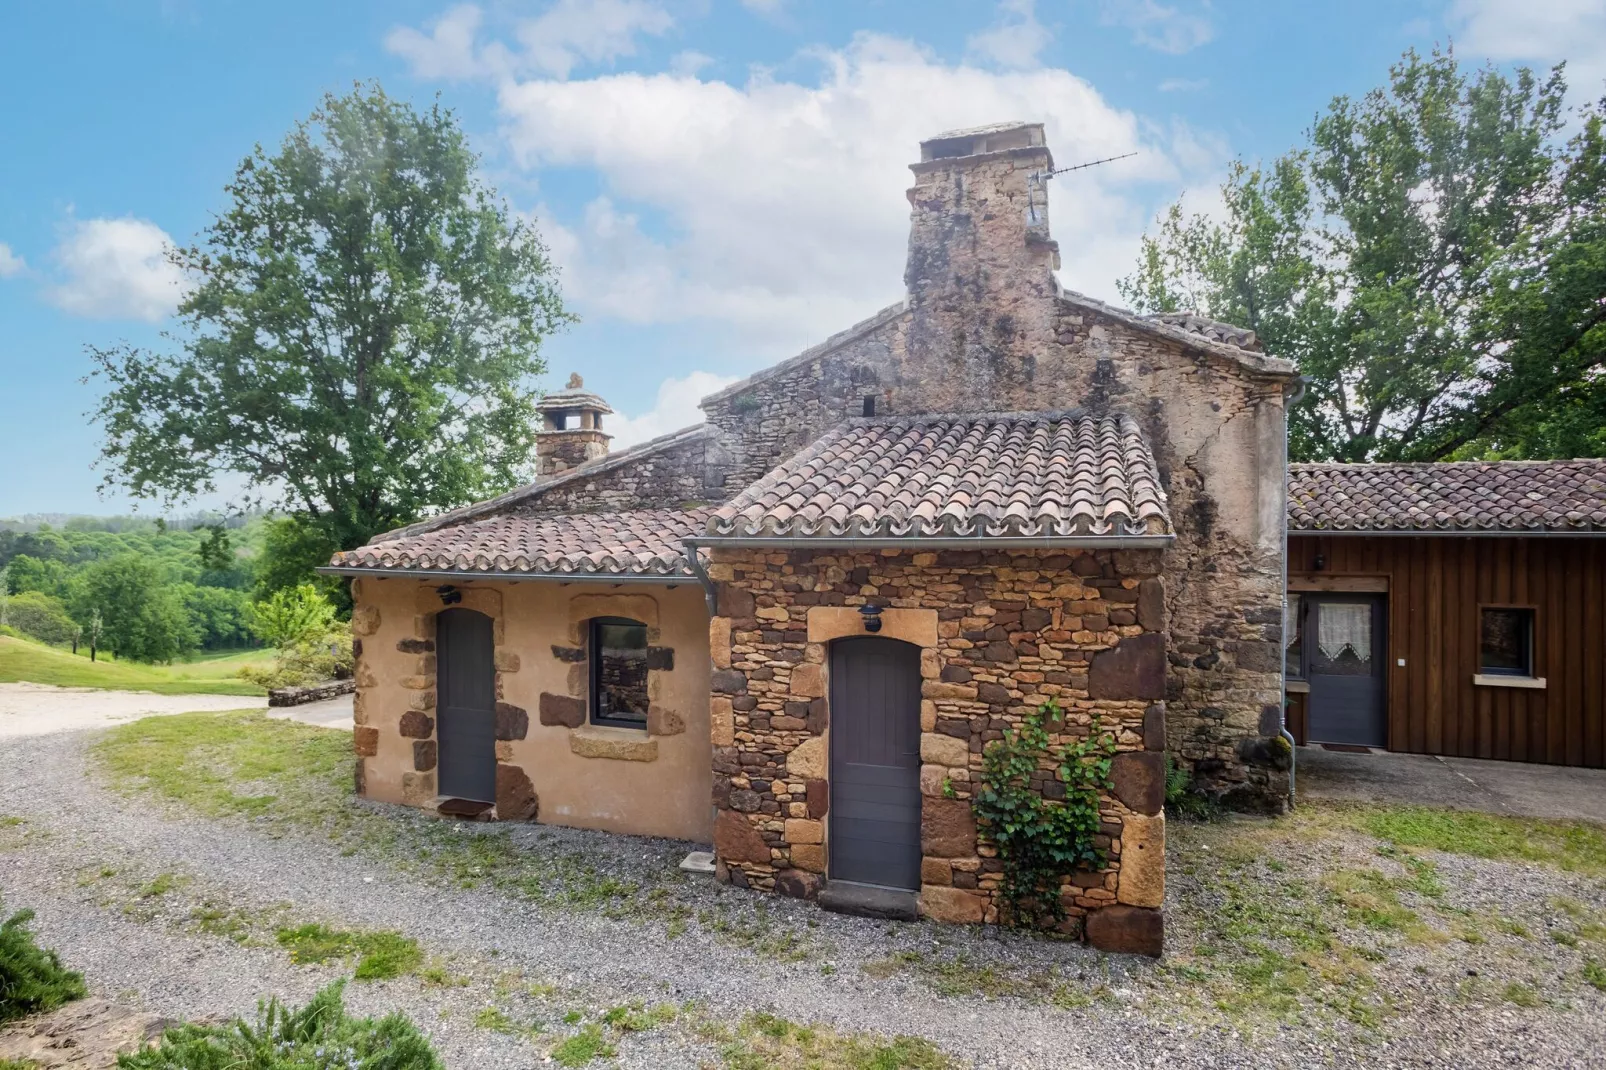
(145,588)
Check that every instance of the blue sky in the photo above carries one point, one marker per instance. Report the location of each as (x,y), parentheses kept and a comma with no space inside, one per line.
(722,180)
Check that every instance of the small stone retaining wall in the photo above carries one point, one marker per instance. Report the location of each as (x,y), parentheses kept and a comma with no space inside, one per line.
(300,696)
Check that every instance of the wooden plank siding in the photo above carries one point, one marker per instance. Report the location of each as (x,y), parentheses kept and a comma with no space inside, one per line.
(1436,585)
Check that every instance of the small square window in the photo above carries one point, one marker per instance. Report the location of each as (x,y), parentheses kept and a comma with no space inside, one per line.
(869,404)
(618,672)
(1506,643)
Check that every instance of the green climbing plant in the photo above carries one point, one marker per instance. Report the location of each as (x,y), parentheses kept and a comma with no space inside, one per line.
(1040,839)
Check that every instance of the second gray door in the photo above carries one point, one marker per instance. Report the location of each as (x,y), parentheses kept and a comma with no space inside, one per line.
(465,705)
(1346,665)
(875,762)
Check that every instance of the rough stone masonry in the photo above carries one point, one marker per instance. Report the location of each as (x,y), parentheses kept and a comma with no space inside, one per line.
(986,327)
(999,635)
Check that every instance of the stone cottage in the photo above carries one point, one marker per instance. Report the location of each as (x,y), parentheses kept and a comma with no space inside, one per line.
(793,629)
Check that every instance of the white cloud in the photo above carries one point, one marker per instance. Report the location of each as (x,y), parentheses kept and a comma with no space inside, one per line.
(1159,26)
(117,269)
(595,31)
(566,35)
(1016,41)
(1546,32)
(774,213)
(447,51)
(764,7)
(676,408)
(1183,85)
(10,263)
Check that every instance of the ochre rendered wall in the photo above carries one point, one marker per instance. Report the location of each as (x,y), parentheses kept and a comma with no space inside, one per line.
(655,782)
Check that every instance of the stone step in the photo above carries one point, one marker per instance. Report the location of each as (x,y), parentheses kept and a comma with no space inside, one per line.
(870,901)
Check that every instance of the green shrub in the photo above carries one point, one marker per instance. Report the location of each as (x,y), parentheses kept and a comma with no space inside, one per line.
(319,1036)
(42,616)
(32,978)
(310,661)
(293,615)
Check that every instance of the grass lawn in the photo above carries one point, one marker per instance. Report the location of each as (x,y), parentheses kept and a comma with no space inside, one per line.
(36,663)
(232,763)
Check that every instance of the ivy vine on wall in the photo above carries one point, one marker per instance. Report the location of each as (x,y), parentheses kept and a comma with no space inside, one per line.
(1041,839)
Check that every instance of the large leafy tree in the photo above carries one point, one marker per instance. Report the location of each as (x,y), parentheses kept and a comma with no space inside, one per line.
(361,337)
(1434,259)
(141,615)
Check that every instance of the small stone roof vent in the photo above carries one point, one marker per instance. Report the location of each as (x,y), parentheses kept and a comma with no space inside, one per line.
(571,428)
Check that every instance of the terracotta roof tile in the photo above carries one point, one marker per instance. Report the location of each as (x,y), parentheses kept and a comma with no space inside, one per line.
(643,543)
(981,475)
(1470,496)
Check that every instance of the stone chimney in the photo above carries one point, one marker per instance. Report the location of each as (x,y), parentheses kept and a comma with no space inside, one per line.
(979,223)
(571,429)
(980,269)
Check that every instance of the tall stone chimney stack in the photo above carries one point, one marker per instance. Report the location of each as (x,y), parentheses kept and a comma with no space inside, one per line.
(980,269)
(571,429)
(979,223)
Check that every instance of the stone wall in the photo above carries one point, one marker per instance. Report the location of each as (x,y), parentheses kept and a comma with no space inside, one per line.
(999,634)
(668,475)
(762,421)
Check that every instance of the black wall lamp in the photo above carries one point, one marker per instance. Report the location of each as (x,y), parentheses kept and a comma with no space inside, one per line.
(872,618)
(450,595)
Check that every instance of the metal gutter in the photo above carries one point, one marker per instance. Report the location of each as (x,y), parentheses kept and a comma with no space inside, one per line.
(1282,662)
(1464,533)
(710,592)
(973,542)
(613,578)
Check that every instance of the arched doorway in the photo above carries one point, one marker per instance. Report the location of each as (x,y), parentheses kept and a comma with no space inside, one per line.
(875,762)
(465,700)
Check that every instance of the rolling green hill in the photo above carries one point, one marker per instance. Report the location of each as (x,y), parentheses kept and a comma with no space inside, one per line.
(24,661)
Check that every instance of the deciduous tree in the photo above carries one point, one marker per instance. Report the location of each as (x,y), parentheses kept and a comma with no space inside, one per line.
(361,337)
(1434,259)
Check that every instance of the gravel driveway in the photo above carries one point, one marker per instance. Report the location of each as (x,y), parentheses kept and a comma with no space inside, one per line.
(40,709)
(79,852)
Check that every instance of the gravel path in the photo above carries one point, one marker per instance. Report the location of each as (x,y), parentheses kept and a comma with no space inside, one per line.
(73,829)
(39,709)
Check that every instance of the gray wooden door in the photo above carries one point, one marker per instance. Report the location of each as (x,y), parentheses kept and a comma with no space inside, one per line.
(875,762)
(465,701)
(1346,665)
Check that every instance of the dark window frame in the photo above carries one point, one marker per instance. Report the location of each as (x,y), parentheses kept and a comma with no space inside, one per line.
(594,657)
(1295,669)
(1531,646)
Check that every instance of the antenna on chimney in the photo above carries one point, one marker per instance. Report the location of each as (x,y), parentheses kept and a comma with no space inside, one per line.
(1091,163)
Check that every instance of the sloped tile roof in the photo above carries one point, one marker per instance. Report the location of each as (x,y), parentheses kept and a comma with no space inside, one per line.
(642,543)
(984,475)
(1471,496)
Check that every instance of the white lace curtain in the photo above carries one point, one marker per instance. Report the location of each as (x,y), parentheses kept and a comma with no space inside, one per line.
(1345,626)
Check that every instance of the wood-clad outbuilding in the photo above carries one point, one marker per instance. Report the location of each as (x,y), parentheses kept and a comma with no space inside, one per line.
(1455,609)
